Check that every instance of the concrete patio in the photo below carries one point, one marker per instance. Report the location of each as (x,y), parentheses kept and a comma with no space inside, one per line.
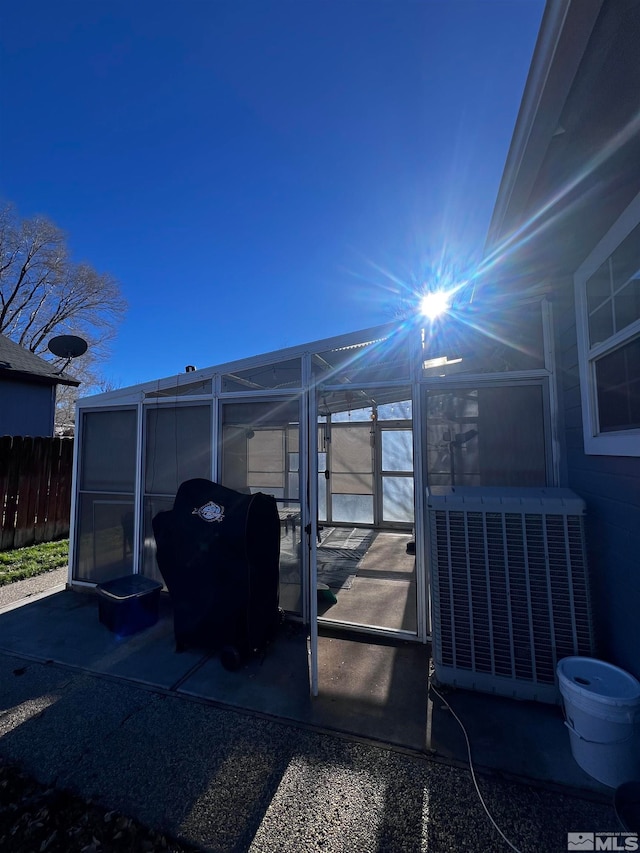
(248,760)
(370,689)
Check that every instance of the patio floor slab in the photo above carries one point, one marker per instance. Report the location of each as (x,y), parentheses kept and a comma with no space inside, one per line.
(64,628)
(369,688)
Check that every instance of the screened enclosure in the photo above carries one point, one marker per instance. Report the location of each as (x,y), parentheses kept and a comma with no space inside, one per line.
(346,434)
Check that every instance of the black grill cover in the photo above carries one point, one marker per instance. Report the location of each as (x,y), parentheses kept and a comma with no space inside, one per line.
(218,552)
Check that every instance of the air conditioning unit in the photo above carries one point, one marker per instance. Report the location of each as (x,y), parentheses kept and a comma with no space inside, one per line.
(509,587)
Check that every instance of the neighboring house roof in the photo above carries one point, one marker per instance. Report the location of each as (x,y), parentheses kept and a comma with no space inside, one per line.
(578,130)
(16,362)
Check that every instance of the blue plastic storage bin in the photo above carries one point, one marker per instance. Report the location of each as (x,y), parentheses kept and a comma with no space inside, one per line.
(129,604)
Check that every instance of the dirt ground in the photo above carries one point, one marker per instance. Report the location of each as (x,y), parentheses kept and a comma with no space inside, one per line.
(35,819)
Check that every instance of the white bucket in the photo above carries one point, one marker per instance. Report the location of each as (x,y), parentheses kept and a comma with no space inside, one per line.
(602,709)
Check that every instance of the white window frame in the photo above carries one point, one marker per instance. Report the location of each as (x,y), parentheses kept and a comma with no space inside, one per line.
(622,442)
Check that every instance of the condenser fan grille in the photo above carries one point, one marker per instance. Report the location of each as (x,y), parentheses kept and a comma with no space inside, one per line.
(509,590)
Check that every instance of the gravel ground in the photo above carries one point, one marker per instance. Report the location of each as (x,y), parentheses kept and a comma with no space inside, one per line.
(40,817)
(88,765)
(110,757)
(340,798)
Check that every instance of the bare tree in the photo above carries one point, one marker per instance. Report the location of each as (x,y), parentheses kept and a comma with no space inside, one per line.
(44,293)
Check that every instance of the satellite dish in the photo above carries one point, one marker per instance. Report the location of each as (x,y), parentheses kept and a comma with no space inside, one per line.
(67,346)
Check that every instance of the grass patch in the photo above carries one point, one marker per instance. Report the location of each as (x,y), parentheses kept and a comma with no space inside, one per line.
(34,560)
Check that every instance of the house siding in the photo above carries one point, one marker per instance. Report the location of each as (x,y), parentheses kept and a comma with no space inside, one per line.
(610,486)
(26,408)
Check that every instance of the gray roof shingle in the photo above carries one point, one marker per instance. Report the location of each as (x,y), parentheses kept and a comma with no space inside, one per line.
(18,362)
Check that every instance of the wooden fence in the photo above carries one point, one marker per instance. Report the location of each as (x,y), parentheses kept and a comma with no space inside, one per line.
(35,490)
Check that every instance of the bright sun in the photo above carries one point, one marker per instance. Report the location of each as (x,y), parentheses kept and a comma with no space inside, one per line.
(435,303)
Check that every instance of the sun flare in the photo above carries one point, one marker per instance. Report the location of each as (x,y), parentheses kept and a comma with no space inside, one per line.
(435,303)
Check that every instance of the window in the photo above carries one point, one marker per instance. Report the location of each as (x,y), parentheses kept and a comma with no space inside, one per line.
(105,512)
(608,317)
(280,375)
(177,448)
(492,435)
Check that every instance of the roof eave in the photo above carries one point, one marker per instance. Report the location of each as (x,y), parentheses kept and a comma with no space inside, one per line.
(39,378)
(563,38)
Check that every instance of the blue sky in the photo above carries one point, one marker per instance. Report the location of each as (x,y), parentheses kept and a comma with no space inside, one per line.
(260,174)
